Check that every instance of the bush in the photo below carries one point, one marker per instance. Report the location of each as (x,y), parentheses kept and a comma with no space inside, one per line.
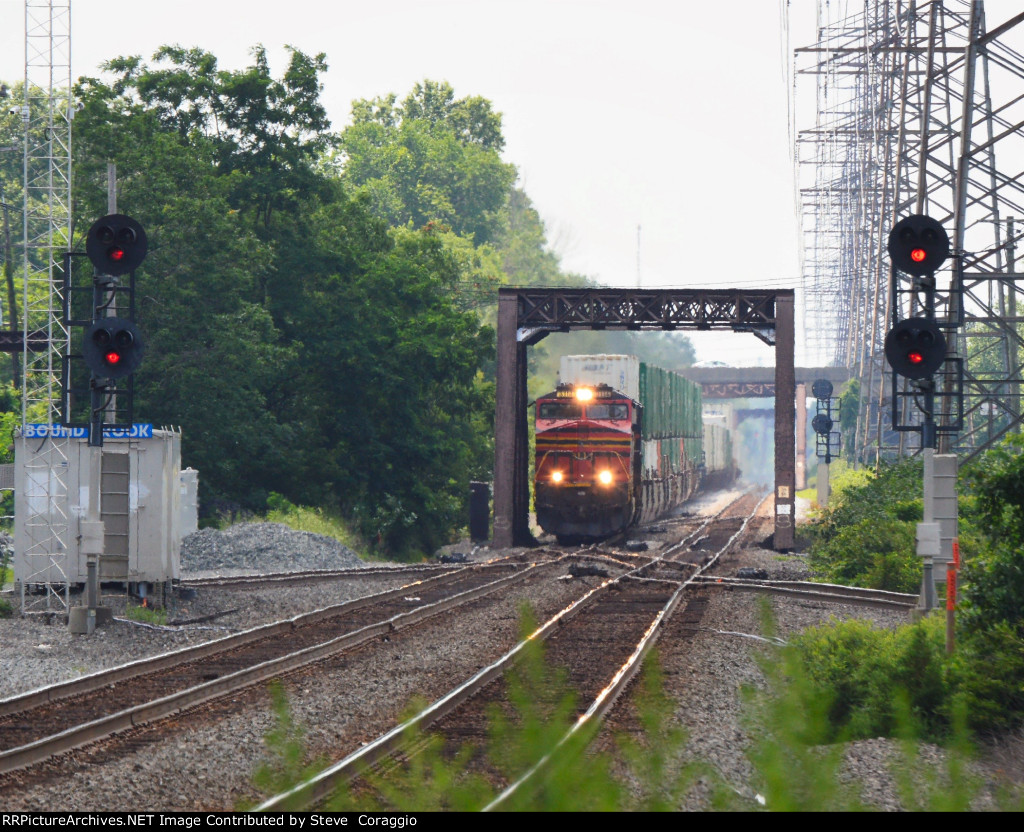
(896,491)
(868,676)
(147,615)
(875,553)
(987,674)
(866,537)
(993,590)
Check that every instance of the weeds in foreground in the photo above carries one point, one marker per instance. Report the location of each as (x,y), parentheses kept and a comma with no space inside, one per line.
(921,787)
(796,767)
(147,615)
(789,720)
(287,765)
(313,520)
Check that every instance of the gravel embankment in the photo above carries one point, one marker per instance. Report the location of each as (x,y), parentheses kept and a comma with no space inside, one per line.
(340,703)
(34,653)
(710,672)
(354,699)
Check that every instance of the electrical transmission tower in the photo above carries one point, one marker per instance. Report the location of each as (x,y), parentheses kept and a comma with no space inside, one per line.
(919,108)
(46,117)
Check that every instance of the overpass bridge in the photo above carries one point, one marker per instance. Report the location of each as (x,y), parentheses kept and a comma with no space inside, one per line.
(759,382)
(755,382)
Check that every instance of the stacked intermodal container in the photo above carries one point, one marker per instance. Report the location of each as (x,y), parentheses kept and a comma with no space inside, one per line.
(720,466)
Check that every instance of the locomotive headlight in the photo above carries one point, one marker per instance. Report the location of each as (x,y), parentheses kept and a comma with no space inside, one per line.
(557,476)
(584,394)
(605,477)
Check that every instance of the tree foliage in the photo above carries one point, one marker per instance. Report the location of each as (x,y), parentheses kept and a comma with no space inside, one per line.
(993,590)
(432,158)
(315,306)
(306,348)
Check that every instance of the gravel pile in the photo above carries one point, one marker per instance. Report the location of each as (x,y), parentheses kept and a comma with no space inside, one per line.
(262,547)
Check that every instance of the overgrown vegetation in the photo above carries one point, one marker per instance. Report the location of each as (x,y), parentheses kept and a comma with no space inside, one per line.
(314,520)
(146,614)
(796,768)
(866,536)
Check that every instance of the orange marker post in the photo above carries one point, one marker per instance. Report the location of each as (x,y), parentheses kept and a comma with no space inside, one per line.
(951,590)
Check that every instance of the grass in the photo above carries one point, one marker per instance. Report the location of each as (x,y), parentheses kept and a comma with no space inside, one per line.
(796,768)
(147,615)
(315,521)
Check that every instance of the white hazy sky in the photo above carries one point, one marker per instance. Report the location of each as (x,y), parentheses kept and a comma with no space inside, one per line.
(671,116)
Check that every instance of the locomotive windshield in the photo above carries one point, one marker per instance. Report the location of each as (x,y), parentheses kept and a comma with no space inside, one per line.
(608,411)
(560,410)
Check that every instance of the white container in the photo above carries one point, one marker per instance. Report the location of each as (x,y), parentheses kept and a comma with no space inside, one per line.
(620,372)
(717,444)
(140,513)
(652,458)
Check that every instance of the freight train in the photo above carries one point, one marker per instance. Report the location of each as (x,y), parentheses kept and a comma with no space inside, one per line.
(620,443)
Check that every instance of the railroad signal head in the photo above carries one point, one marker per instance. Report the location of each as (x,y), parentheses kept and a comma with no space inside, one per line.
(915,348)
(112,348)
(918,245)
(821,388)
(116,245)
(822,423)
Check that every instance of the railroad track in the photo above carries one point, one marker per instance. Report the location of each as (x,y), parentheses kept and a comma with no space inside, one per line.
(810,591)
(310,576)
(601,639)
(36,725)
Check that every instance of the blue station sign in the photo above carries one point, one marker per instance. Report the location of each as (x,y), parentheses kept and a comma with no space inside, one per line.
(143,431)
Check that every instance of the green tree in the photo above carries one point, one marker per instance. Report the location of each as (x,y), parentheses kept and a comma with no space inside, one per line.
(433,158)
(215,364)
(272,131)
(993,589)
(394,407)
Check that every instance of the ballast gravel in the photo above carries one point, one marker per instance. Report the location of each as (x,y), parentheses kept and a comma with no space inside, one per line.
(268,547)
(38,650)
(210,766)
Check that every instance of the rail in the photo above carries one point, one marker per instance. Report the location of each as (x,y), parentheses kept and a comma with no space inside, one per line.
(316,789)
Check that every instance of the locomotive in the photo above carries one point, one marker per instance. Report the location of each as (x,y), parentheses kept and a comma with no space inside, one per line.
(618,443)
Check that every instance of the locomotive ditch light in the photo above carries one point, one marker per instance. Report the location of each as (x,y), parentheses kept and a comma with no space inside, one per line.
(605,477)
(557,476)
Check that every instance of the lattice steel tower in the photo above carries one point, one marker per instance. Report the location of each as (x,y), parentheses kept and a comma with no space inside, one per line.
(919,108)
(46,116)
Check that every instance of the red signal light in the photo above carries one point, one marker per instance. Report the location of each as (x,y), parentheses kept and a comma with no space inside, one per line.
(918,255)
(112,358)
(915,357)
(116,254)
